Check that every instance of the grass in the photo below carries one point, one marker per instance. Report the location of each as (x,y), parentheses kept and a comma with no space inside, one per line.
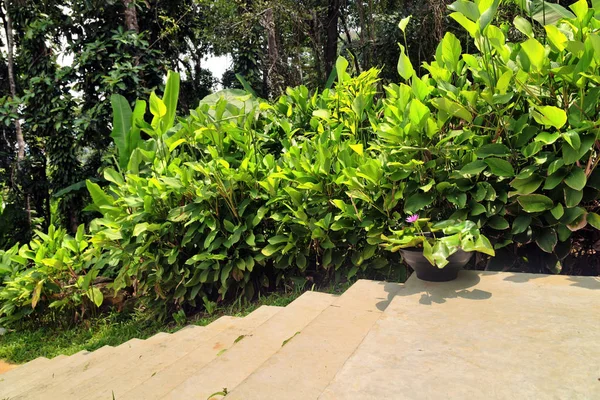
(114,329)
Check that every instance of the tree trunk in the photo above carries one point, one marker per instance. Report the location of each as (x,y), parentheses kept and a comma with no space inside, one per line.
(331,46)
(131,22)
(275,81)
(11,79)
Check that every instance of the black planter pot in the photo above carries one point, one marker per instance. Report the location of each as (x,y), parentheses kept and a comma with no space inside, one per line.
(427,272)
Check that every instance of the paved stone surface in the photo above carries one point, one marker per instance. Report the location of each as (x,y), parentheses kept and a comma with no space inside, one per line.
(303,367)
(484,336)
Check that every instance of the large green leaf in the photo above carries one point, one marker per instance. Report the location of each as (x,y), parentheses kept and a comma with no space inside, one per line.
(488,15)
(405,68)
(524,26)
(170,98)
(550,115)
(121,126)
(493,149)
(417,202)
(466,8)
(404,23)
(576,179)
(594,220)
(418,113)
(535,52)
(547,240)
(521,223)
(556,38)
(573,197)
(500,167)
(527,186)
(98,196)
(452,108)
(451,51)
(535,202)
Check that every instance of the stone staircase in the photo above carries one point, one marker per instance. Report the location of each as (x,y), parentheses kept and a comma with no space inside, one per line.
(486,335)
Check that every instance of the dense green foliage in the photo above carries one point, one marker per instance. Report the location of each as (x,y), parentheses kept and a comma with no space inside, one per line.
(245,193)
(72,55)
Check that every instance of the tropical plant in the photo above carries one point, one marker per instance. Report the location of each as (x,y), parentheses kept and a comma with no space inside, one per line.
(439,240)
(50,276)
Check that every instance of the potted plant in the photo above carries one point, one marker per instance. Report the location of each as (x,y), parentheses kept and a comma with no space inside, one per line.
(436,251)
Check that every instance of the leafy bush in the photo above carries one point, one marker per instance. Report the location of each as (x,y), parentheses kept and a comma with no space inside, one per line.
(53,272)
(244,194)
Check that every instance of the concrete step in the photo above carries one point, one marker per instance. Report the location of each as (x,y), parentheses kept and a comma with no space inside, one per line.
(207,374)
(124,376)
(205,345)
(22,370)
(305,366)
(87,363)
(41,376)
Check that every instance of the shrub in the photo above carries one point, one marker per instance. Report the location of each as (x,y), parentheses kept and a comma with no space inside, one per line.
(243,194)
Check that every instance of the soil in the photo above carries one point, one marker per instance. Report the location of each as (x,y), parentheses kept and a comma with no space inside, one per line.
(5,367)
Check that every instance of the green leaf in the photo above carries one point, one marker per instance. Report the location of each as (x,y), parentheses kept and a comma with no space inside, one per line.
(113,176)
(487,15)
(535,52)
(572,137)
(580,9)
(341,65)
(555,166)
(176,144)
(451,51)
(547,138)
(170,98)
(157,107)
(96,296)
(493,149)
(321,113)
(558,211)
(271,249)
(140,228)
(576,179)
(98,196)
(547,240)
(466,8)
(550,115)
(554,180)
(594,220)
(535,203)
(473,168)
(557,38)
(483,245)
(527,186)
(497,222)
(551,13)
(37,293)
(405,68)
(452,108)
(466,23)
(417,202)
(358,148)
(121,126)
(521,223)
(418,113)
(523,26)
(500,167)
(573,197)
(403,23)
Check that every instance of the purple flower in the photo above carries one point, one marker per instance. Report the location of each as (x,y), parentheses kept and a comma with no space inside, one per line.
(412,218)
